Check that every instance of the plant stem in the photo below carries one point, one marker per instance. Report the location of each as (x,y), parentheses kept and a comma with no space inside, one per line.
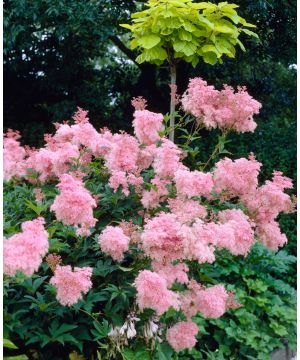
(173,100)
(217,150)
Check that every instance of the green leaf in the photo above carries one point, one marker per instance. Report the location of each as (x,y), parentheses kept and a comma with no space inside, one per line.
(55,330)
(126,26)
(210,58)
(148,41)
(189,26)
(250,33)
(241,44)
(129,354)
(8,344)
(203,5)
(185,35)
(224,29)
(189,49)
(164,351)
(211,48)
(278,328)
(139,14)
(38,209)
(102,329)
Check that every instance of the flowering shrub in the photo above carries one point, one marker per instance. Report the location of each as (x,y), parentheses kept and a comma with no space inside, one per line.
(128,222)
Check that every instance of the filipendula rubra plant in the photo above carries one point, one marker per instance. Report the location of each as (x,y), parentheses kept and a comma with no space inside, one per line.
(153,218)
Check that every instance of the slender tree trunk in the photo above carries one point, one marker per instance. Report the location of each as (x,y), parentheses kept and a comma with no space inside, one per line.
(173,99)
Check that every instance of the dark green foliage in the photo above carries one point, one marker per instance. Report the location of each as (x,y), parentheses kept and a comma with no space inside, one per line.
(35,321)
(267,317)
(33,318)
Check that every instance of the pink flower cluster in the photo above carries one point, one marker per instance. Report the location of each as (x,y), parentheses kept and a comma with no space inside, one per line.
(146,126)
(153,293)
(193,183)
(114,242)
(161,238)
(74,205)
(25,251)
(13,156)
(179,223)
(53,160)
(211,302)
(265,203)
(70,284)
(236,177)
(182,335)
(225,109)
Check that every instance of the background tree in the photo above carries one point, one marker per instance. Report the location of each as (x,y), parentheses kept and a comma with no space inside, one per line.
(60,54)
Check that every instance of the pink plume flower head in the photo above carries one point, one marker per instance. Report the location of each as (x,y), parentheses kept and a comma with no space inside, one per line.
(41,161)
(225,109)
(14,164)
(53,161)
(172,273)
(70,284)
(161,238)
(197,242)
(117,179)
(63,157)
(235,110)
(146,156)
(167,159)
(151,198)
(80,116)
(152,292)
(139,103)
(64,133)
(236,177)
(121,179)
(193,183)
(187,210)
(24,251)
(282,182)
(243,234)
(74,205)
(212,301)
(199,98)
(270,199)
(270,235)
(147,125)
(114,242)
(39,195)
(124,153)
(182,335)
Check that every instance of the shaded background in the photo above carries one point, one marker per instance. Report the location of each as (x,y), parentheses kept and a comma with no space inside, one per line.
(60,54)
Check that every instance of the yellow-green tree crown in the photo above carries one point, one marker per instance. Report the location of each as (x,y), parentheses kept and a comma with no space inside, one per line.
(183,29)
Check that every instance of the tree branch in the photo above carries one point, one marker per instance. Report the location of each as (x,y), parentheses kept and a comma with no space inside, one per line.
(130,54)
